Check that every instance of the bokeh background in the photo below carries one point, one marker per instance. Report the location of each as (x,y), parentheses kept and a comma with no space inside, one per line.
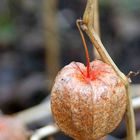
(38,37)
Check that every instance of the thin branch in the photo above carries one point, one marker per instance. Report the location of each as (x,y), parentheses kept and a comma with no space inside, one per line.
(35,113)
(132,74)
(96,25)
(130,120)
(88,28)
(44,132)
(86,49)
(47,131)
(136,103)
(96,17)
(51,39)
(43,110)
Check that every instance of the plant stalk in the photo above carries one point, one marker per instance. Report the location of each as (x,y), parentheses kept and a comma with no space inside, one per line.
(87,26)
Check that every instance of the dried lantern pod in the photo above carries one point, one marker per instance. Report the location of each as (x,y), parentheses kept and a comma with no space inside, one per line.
(88,108)
(88,102)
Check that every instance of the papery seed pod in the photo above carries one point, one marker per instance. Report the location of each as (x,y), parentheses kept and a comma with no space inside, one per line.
(88,108)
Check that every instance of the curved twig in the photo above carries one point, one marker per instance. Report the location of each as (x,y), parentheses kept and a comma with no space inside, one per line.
(44,132)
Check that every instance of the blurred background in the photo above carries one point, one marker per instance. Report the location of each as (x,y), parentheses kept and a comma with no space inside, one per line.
(38,37)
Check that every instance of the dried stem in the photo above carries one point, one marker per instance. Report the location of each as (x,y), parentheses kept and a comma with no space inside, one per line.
(96,25)
(35,113)
(96,17)
(87,26)
(51,39)
(44,132)
(132,74)
(130,121)
(86,50)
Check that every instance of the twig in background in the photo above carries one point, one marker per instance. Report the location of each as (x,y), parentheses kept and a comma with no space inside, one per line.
(43,110)
(35,113)
(136,103)
(51,38)
(44,132)
(132,74)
